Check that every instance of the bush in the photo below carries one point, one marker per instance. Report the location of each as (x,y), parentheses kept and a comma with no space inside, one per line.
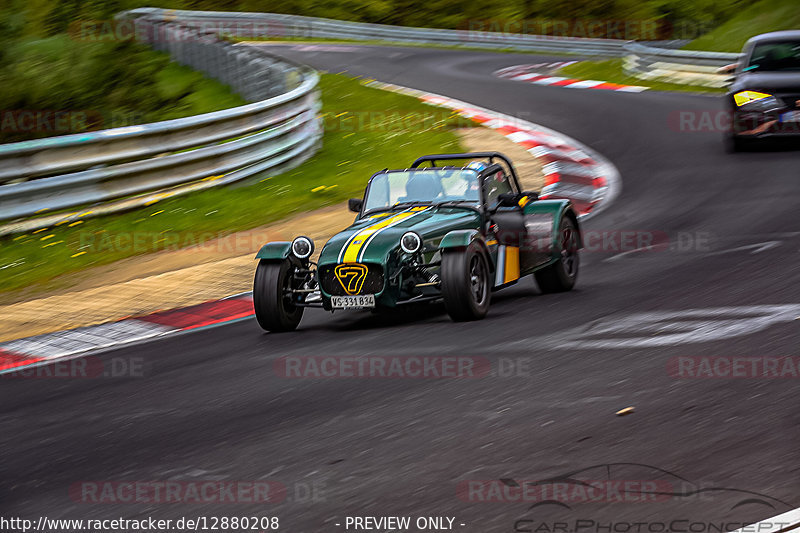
(101,85)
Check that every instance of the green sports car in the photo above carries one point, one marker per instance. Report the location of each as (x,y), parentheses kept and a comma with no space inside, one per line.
(451,233)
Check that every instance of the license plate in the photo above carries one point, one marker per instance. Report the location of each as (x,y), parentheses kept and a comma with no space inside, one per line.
(353,302)
(791,116)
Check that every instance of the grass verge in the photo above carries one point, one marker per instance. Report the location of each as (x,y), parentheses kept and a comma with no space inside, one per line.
(754,19)
(611,71)
(366,130)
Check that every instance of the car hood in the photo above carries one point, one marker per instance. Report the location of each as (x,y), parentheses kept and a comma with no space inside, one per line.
(770,82)
(373,238)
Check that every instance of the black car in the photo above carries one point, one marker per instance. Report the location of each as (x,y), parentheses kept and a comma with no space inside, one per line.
(764,97)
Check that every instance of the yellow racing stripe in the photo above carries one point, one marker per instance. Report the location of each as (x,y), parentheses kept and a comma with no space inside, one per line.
(354,246)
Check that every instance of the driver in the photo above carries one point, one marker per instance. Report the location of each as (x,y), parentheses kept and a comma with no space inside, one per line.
(423,187)
(471,186)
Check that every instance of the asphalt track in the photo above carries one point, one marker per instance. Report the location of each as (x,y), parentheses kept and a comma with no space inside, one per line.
(211,407)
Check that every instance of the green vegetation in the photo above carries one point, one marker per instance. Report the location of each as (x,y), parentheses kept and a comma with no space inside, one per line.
(730,22)
(366,130)
(611,71)
(677,18)
(752,19)
(98,85)
(43,65)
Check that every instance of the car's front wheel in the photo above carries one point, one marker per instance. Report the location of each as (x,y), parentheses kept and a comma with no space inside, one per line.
(561,275)
(272,296)
(466,283)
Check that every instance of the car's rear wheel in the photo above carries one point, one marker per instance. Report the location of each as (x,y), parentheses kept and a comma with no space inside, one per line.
(272,296)
(562,275)
(466,283)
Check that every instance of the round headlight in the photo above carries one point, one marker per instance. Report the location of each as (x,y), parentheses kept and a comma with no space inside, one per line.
(302,247)
(410,242)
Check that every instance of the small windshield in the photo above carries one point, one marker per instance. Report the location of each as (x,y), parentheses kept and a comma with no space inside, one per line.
(775,56)
(422,186)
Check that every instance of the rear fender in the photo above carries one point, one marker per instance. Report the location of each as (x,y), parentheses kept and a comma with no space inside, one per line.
(542,219)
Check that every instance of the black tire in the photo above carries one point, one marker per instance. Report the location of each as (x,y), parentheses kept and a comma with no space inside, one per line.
(562,275)
(274,309)
(466,283)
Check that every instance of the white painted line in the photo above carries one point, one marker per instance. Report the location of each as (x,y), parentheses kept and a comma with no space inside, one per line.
(567,155)
(572,169)
(70,342)
(650,248)
(632,89)
(584,193)
(496,123)
(520,136)
(584,84)
(550,80)
(525,77)
(668,328)
(757,248)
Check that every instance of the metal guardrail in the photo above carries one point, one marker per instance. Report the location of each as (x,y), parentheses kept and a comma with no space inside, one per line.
(677,66)
(253,25)
(281,126)
(661,62)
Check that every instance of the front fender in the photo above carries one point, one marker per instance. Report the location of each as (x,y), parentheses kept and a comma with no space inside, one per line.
(461,238)
(275,251)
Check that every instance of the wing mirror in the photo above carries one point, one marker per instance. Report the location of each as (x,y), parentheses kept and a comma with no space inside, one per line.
(507,199)
(355,204)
